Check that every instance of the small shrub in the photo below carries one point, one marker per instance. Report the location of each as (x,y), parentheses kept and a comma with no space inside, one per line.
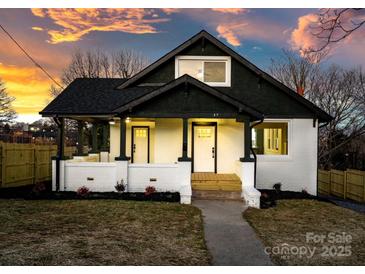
(120,187)
(149,190)
(267,200)
(277,187)
(83,192)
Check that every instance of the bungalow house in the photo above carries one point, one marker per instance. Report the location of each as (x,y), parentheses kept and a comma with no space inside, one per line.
(201,117)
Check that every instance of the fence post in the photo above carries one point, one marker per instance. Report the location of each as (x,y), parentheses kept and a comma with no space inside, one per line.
(330,182)
(345,183)
(363,185)
(3,164)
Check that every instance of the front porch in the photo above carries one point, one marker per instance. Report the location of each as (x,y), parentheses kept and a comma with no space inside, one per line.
(173,160)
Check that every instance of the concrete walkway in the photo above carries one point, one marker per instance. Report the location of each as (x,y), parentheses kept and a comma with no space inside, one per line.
(230,239)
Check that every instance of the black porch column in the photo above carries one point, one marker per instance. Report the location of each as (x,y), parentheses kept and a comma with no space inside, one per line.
(61,139)
(185,142)
(60,148)
(80,138)
(123,141)
(104,145)
(94,140)
(248,141)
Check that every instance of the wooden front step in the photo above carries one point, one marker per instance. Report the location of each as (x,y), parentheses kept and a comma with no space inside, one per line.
(215,182)
(216,195)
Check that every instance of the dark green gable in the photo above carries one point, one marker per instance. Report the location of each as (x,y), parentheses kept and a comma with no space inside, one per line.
(247,86)
(185,101)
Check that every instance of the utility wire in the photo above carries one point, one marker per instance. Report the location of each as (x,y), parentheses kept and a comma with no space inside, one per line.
(30,57)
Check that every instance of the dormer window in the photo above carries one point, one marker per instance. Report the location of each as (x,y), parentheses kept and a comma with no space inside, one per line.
(212,70)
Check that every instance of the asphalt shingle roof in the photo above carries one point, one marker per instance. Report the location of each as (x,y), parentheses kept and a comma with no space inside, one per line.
(93,96)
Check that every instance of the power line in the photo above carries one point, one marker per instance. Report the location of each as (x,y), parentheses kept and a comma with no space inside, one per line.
(30,57)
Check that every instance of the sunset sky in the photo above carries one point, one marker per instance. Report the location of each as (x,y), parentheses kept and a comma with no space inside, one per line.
(51,35)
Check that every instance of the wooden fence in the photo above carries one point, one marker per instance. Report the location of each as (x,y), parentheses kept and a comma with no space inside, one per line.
(25,164)
(349,184)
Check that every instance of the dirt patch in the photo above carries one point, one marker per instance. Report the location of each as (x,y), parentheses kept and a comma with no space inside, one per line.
(294,229)
(100,232)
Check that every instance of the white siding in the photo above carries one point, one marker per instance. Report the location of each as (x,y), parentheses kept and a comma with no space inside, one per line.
(297,170)
(168,140)
(230,145)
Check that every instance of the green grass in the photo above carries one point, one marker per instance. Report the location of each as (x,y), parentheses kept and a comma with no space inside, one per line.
(100,232)
(289,222)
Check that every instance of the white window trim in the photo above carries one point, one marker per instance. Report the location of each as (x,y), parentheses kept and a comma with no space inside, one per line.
(226,59)
(279,158)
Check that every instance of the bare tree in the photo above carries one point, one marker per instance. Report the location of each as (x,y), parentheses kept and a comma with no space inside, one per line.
(126,63)
(89,64)
(334,25)
(296,72)
(7,113)
(338,91)
(97,64)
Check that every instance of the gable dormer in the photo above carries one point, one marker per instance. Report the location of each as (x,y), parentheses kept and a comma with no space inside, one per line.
(199,57)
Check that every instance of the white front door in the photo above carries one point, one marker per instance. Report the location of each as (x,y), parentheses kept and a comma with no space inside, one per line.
(140,145)
(204,149)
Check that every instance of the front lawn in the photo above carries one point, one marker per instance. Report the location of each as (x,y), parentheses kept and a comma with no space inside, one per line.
(308,232)
(100,232)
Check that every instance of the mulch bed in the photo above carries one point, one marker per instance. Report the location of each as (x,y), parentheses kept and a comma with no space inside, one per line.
(135,196)
(270,196)
(34,192)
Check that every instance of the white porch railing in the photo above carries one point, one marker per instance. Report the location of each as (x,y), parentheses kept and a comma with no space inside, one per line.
(175,177)
(103,176)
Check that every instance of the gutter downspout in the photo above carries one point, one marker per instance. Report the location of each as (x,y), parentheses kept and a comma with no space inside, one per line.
(253,152)
(319,126)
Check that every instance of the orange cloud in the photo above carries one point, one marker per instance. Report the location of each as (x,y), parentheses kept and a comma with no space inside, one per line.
(170,10)
(225,31)
(233,10)
(301,36)
(234,30)
(28,85)
(76,23)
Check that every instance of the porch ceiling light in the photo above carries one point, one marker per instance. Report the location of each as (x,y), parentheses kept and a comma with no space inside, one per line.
(128,120)
(111,122)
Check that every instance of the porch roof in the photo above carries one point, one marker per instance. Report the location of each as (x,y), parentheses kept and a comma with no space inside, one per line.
(98,98)
(179,104)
